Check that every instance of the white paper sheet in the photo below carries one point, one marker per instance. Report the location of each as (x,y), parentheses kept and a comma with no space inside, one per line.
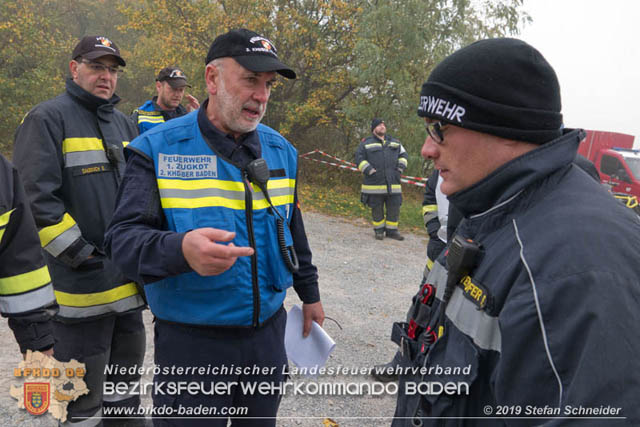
(309,352)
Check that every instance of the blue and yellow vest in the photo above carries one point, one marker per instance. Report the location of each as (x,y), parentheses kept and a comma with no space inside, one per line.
(147,117)
(200,189)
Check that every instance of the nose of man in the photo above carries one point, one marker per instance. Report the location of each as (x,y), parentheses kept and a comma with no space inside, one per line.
(429,149)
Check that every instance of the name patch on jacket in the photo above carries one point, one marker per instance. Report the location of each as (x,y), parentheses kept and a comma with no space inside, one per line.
(181,166)
(86,170)
(475,292)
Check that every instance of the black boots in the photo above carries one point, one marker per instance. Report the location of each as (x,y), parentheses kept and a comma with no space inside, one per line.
(394,234)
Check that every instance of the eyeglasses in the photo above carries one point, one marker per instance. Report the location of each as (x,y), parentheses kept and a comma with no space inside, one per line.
(97,67)
(435,131)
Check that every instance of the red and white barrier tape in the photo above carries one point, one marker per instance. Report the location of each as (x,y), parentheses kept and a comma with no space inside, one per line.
(414,180)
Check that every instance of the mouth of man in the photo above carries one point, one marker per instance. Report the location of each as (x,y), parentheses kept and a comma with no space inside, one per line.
(252,113)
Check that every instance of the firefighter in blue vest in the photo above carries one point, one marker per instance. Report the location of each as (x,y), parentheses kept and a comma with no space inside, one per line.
(207,219)
(26,293)
(170,85)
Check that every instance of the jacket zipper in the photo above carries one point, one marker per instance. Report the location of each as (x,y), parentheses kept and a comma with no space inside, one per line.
(248,211)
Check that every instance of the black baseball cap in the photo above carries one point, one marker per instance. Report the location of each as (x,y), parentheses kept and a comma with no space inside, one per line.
(251,50)
(174,76)
(94,47)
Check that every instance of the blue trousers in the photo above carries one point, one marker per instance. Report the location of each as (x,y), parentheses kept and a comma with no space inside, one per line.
(224,356)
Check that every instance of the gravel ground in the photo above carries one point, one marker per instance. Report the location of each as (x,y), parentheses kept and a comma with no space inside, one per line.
(365,285)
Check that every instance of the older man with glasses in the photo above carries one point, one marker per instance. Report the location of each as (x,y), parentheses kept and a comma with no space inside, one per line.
(69,152)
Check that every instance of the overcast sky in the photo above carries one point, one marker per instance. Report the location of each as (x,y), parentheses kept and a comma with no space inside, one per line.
(594,46)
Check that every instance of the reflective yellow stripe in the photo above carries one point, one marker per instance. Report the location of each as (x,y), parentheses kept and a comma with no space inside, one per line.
(148,113)
(203,202)
(394,144)
(375,144)
(396,188)
(24,282)
(4,220)
(199,184)
(98,298)
(125,143)
(363,164)
(235,186)
(148,119)
(429,264)
(392,223)
(429,208)
(374,187)
(402,160)
(70,145)
(49,233)
(377,223)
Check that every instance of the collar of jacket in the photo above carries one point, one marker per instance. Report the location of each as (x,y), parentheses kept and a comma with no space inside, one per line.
(514,176)
(90,101)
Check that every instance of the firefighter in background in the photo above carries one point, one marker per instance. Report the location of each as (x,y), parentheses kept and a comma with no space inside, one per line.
(170,85)
(69,154)
(382,159)
(26,293)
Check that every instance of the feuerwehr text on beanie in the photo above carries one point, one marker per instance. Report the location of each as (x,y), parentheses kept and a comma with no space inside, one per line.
(502,87)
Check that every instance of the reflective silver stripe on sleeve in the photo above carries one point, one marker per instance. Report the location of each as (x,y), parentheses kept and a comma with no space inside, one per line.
(27,301)
(429,216)
(63,241)
(482,328)
(82,158)
(119,306)
(438,278)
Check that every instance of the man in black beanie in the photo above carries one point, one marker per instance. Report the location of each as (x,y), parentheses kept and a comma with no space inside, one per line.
(382,159)
(536,304)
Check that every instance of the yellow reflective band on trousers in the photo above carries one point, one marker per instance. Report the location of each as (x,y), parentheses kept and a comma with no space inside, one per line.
(83,151)
(381,189)
(58,237)
(97,298)
(392,224)
(200,193)
(377,223)
(24,282)
(4,221)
